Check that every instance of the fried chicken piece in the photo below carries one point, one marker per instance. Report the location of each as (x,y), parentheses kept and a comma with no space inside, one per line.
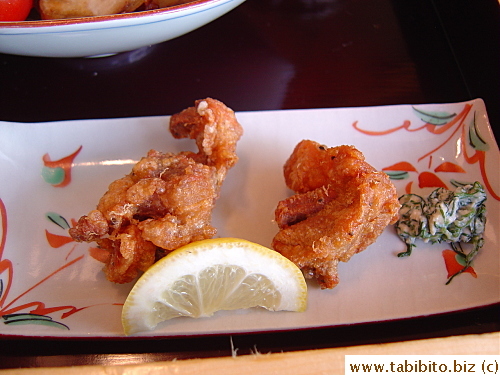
(216,131)
(61,9)
(167,200)
(342,204)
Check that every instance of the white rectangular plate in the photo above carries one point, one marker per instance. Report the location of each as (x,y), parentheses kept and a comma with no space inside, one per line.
(51,286)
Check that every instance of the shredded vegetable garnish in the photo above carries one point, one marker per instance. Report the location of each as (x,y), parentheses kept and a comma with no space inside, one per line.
(445,216)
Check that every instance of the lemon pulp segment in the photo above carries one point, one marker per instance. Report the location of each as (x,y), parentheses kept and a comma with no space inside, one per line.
(211,275)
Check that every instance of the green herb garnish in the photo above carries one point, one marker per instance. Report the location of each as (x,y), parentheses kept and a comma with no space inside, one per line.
(445,216)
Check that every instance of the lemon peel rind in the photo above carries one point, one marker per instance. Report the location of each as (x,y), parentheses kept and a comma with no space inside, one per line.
(286,276)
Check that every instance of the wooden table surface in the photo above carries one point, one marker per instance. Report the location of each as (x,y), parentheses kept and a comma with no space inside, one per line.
(266,55)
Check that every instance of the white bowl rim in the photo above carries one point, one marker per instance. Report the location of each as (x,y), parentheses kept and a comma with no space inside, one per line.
(194,4)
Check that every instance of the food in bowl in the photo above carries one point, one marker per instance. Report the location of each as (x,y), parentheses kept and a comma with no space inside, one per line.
(58,9)
(15,10)
(110,34)
(19,10)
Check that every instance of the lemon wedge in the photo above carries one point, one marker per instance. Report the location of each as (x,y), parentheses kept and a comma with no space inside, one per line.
(206,276)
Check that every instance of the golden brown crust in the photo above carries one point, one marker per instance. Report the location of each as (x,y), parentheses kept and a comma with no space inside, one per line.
(216,131)
(61,9)
(167,200)
(342,205)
